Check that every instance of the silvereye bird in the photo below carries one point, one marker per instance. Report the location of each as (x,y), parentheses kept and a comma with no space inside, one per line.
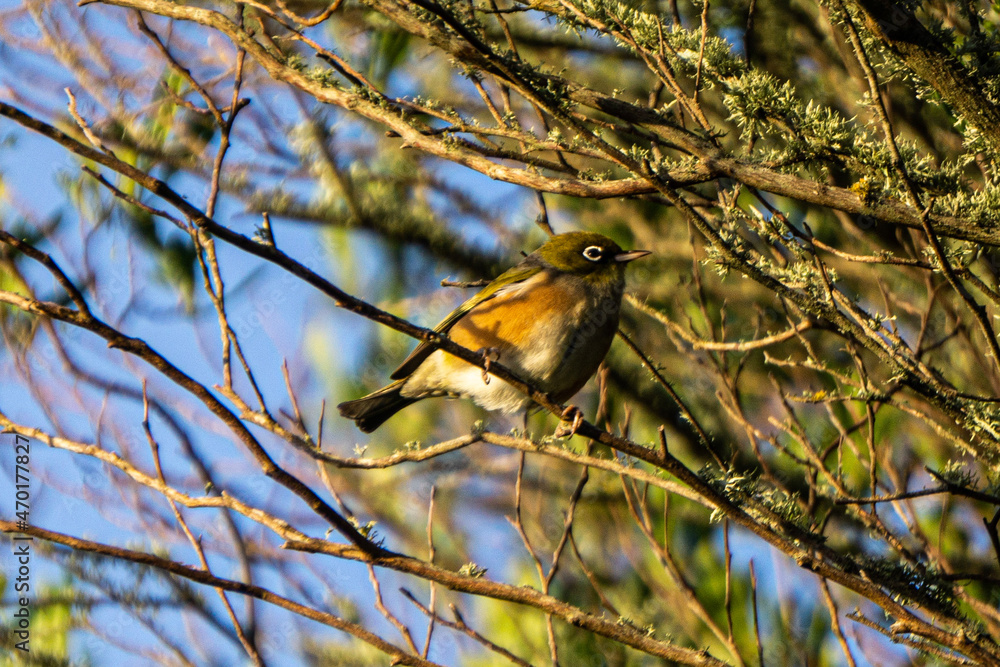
(550,320)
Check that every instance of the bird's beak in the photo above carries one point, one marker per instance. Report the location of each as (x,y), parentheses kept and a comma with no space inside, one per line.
(632,254)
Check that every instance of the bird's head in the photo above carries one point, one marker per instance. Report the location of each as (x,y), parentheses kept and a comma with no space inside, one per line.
(593,257)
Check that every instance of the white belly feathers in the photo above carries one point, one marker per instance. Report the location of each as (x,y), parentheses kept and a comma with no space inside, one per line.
(559,349)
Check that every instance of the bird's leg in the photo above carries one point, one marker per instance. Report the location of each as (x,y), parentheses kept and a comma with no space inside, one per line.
(490,354)
(572,415)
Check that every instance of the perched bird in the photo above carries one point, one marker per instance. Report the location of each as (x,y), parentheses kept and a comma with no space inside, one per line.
(550,320)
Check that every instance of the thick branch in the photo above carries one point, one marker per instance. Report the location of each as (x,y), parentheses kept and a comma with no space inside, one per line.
(901,32)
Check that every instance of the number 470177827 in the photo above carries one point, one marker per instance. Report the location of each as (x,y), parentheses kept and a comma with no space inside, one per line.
(22,479)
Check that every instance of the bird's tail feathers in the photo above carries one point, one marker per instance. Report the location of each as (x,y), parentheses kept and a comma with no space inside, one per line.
(369,412)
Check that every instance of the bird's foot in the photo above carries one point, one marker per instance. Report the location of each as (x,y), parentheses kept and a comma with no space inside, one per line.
(571,416)
(490,354)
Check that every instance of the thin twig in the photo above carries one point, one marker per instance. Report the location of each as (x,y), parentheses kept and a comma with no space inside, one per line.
(195,542)
(460,625)
(756,617)
(430,559)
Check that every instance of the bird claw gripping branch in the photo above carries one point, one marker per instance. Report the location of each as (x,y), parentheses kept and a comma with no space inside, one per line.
(490,354)
(574,417)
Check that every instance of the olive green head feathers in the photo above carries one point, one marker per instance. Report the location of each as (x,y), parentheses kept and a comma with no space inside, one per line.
(586,254)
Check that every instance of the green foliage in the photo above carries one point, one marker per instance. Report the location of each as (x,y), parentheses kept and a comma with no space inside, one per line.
(472,570)
(764,502)
(52,618)
(910,585)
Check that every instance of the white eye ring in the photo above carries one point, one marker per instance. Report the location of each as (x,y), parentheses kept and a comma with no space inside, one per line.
(593,253)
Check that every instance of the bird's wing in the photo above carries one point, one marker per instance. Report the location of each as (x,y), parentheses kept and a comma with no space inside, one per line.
(503,283)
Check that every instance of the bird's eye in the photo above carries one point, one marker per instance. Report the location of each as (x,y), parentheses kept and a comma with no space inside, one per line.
(593,253)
